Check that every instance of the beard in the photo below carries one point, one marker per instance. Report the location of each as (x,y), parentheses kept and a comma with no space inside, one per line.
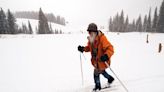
(91,38)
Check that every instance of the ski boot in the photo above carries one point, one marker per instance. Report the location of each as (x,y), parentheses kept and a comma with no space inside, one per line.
(110,80)
(97,87)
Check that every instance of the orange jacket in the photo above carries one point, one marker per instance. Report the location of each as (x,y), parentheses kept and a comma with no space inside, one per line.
(100,46)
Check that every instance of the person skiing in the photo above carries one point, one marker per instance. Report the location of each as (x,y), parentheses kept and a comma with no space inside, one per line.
(101,51)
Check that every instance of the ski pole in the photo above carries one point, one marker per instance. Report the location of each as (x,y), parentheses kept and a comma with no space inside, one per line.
(81,70)
(117,77)
(84,56)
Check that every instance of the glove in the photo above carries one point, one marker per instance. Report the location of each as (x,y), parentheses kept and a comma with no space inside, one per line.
(104,58)
(81,48)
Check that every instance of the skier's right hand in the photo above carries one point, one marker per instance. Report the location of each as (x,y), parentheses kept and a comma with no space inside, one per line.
(81,48)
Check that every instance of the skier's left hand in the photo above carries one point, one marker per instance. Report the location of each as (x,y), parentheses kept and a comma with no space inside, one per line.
(104,58)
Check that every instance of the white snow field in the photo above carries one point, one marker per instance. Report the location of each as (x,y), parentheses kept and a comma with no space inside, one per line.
(51,63)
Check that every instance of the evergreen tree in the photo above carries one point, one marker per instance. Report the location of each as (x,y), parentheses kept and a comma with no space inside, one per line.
(30,28)
(36,29)
(155,21)
(12,23)
(160,26)
(127,24)
(116,23)
(24,29)
(20,30)
(4,27)
(56,31)
(139,24)
(111,25)
(134,26)
(60,32)
(51,30)
(62,20)
(145,24)
(58,20)
(43,27)
(148,29)
(121,23)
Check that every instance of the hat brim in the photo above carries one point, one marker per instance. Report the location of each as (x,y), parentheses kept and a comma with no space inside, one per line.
(92,30)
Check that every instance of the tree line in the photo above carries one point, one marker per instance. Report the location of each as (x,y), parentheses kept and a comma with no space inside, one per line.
(8,25)
(34,15)
(121,24)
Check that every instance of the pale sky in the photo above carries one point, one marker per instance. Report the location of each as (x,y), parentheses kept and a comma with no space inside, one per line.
(79,13)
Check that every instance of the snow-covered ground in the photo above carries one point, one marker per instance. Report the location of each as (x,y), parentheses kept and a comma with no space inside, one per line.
(51,63)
